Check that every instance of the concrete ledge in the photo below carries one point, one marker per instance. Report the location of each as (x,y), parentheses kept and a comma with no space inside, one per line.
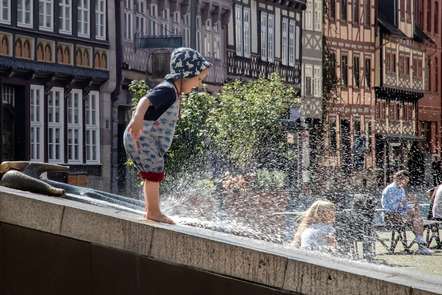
(266,264)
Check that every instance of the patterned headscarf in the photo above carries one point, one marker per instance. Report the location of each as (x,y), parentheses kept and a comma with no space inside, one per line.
(186,63)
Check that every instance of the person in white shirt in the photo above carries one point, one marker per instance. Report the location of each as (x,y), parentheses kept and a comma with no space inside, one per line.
(316,231)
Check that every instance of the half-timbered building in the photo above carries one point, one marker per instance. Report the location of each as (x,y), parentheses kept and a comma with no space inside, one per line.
(401,58)
(349,30)
(55,85)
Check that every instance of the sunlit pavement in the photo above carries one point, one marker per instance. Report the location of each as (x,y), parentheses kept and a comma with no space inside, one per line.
(428,264)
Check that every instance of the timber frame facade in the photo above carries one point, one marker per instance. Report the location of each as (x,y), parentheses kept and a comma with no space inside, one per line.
(264,37)
(401,57)
(349,118)
(55,85)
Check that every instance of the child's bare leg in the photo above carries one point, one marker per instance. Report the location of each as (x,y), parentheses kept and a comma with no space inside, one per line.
(152,199)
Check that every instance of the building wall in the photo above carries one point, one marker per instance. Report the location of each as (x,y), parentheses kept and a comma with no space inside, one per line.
(52,75)
(350,35)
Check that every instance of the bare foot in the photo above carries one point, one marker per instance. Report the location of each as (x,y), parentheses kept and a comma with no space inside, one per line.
(160,217)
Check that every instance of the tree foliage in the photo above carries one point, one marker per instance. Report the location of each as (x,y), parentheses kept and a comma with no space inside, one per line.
(247,126)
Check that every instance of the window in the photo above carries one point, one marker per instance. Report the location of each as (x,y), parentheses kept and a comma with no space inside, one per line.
(165,22)
(208,38)
(238,30)
(419,13)
(367,71)
(24,13)
(36,123)
(186,30)
(217,41)
(297,38)
(356,11)
(55,125)
(308,23)
(430,86)
(267,36)
(246,19)
(285,41)
(344,69)
(332,9)
(100,19)
(317,82)
(176,23)
(318,15)
(436,74)
(408,12)
(45,15)
(308,81)
(140,19)
(198,34)
(356,72)
(83,18)
(367,12)
(333,136)
(292,42)
(264,36)
(390,64)
(152,20)
(344,10)
(436,18)
(65,16)
(242,30)
(74,109)
(402,9)
(429,15)
(92,128)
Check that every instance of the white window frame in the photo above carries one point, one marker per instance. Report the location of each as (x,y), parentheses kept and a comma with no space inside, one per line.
(8,95)
(198,33)
(36,120)
(100,19)
(263,36)
(23,13)
(247,14)
(292,42)
(128,22)
(186,30)
(318,16)
(75,131)
(153,14)
(83,18)
(239,30)
(308,13)
(317,78)
(65,16)
(217,40)
(56,125)
(176,23)
(46,15)
(140,24)
(285,41)
(271,38)
(297,38)
(208,38)
(5,12)
(92,113)
(165,28)
(308,73)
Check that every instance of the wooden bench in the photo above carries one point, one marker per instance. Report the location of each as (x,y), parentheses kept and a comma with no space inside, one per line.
(399,234)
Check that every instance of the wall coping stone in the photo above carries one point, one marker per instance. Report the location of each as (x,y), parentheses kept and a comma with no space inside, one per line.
(276,266)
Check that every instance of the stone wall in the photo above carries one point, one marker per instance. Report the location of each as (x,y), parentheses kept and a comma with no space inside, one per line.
(57,246)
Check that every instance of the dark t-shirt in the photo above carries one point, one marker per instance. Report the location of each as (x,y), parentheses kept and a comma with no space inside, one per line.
(162,97)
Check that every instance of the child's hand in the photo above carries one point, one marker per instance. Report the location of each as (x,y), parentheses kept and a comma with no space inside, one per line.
(135,128)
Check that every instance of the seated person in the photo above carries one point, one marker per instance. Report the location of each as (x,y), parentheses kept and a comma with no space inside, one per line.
(435,212)
(399,212)
(316,231)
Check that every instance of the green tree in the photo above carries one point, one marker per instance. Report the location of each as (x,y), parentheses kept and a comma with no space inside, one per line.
(247,127)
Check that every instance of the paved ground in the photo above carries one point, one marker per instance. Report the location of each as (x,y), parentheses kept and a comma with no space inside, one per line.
(428,264)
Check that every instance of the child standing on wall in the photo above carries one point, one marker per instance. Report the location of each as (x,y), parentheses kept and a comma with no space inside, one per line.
(150,132)
(316,231)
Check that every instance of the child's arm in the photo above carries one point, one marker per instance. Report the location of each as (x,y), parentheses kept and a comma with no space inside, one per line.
(136,126)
